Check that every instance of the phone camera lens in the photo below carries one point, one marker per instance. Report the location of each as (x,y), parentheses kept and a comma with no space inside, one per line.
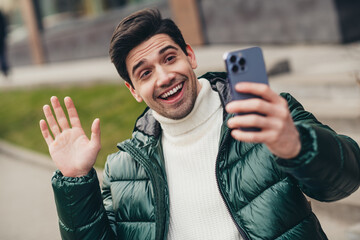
(233,59)
(235,68)
(242,61)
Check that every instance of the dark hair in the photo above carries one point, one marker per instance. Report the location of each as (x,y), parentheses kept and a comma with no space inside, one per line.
(135,29)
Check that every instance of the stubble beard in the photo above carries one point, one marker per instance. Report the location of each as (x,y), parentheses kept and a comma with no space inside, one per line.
(185,107)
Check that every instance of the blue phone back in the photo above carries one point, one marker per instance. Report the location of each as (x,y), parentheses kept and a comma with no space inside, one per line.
(250,67)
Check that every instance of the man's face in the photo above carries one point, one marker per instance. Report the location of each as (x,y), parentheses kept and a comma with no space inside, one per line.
(163,76)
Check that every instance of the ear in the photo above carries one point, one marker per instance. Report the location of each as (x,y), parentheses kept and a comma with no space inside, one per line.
(191,56)
(133,92)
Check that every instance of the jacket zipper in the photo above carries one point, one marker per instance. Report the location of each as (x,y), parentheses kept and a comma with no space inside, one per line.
(241,231)
(147,168)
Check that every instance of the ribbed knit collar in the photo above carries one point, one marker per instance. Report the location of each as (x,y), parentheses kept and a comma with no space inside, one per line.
(206,104)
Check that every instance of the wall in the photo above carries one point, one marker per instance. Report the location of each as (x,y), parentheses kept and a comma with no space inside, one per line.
(271,21)
(79,38)
(224,22)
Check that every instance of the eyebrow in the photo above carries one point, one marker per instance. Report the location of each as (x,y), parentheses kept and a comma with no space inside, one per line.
(164,49)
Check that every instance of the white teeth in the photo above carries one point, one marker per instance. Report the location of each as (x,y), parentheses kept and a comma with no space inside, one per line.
(172,91)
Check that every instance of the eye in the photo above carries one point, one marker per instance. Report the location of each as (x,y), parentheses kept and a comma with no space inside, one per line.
(144,74)
(170,58)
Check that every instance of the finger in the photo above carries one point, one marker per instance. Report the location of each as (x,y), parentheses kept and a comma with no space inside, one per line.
(248,120)
(253,120)
(255,137)
(96,133)
(59,113)
(250,105)
(45,132)
(271,128)
(259,105)
(256,120)
(73,115)
(258,89)
(51,120)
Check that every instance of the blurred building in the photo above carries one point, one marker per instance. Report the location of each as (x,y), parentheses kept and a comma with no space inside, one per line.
(75,29)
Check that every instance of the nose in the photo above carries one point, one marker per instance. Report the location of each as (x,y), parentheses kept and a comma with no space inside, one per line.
(164,77)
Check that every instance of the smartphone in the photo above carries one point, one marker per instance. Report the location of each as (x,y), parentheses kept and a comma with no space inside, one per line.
(245,65)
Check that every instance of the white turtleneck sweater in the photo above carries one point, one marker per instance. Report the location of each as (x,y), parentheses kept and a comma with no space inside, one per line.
(190,147)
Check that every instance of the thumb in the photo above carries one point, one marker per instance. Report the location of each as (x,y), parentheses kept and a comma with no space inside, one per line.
(95,133)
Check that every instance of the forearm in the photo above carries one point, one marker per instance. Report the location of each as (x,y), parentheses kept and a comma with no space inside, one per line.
(328,166)
(80,208)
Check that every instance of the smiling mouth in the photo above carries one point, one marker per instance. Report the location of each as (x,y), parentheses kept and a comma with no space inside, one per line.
(172,92)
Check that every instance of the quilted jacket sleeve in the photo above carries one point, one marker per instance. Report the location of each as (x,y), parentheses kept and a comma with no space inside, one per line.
(107,197)
(80,207)
(328,166)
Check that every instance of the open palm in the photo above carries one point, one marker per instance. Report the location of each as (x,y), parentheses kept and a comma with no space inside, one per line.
(73,153)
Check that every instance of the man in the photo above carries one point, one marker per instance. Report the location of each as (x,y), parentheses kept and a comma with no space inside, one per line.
(3,34)
(189,172)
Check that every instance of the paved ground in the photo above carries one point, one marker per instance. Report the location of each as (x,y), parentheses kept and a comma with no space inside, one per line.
(27,206)
(324,78)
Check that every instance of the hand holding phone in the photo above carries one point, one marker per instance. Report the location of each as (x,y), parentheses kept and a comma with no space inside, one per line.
(278,130)
(246,65)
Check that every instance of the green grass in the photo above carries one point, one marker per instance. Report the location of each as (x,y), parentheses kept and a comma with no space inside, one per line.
(21,111)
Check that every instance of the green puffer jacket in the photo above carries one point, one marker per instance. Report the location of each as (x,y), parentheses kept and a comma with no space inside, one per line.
(262,192)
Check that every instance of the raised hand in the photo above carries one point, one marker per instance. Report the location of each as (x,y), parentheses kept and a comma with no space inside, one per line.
(278,131)
(73,153)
